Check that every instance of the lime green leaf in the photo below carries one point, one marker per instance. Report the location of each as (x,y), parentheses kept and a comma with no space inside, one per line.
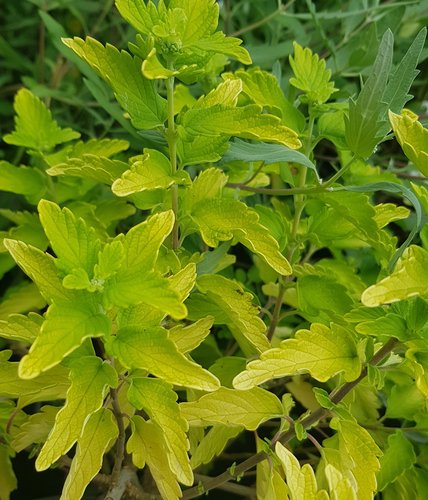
(247,122)
(225,93)
(159,401)
(89,166)
(71,239)
(152,350)
(398,457)
(311,75)
(263,88)
(340,487)
(8,481)
(390,325)
(143,17)
(147,446)
(301,481)
(412,136)
(226,368)
(269,484)
(219,43)
(213,443)
(34,126)
(110,259)
(388,212)
(187,338)
(35,430)
(234,408)
(238,311)
(98,147)
(27,181)
(98,433)
(153,171)
(21,328)
(135,94)
(409,278)
(208,184)
(184,281)
(66,326)
(40,267)
(356,442)
(201,17)
(224,219)
(321,351)
(90,377)
(200,149)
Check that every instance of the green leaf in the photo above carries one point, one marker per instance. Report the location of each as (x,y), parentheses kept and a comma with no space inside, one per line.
(363,126)
(238,311)
(21,328)
(264,89)
(141,16)
(27,181)
(340,487)
(388,212)
(398,457)
(135,94)
(226,368)
(35,429)
(40,267)
(159,401)
(267,153)
(300,481)
(66,326)
(71,239)
(321,351)
(412,137)
(34,126)
(224,219)
(213,443)
(270,484)
(8,481)
(89,166)
(99,432)
(152,350)
(110,259)
(246,409)
(409,278)
(147,446)
(153,171)
(311,75)
(247,122)
(99,147)
(208,184)
(390,325)
(187,338)
(90,377)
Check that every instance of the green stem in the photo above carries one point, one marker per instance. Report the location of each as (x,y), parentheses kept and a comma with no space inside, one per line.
(171,136)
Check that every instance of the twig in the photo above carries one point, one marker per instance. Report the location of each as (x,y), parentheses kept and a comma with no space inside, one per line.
(237,489)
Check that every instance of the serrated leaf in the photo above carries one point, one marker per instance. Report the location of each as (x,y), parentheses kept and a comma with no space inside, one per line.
(35,430)
(98,433)
(8,481)
(21,328)
(90,377)
(301,481)
(140,15)
(225,93)
(398,457)
(99,147)
(270,484)
(409,278)
(246,409)
(187,338)
(153,171)
(321,351)
(110,259)
(219,43)
(152,350)
(213,443)
(66,326)
(247,122)
(147,446)
(208,184)
(27,181)
(267,153)
(238,311)
(390,325)
(40,267)
(135,94)
(34,126)
(358,444)
(388,212)
(224,219)
(200,149)
(311,75)
(412,136)
(89,166)
(159,401)
(340,487)
(73,242)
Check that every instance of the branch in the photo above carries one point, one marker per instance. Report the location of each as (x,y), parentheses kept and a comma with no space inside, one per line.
(336,396)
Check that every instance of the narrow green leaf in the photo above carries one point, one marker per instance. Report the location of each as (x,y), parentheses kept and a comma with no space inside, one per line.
(99,432)
(90,377)
(246,409)
(159,401)
(135,94)
(321,351)
(152,350)
(34,126)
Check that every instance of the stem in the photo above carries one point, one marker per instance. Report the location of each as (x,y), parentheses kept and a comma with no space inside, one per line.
(335,396)
(171,137)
